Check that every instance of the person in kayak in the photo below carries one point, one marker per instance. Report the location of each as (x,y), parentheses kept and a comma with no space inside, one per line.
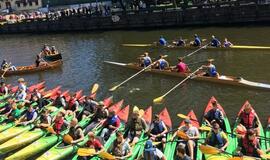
(135,127)
(145,60)
(248,120)
(162,64)
(100,114)
(75,132)
(40,102)
(197,41)
(227,44)
(191,134)
(29,117)
(181,67)
(60,100)
(158,131)
(3,89)
(214,114)
(89,106)
(22,84)
(7,108)
(14,114)
(151,153)
(120,147)
(249,145)
(181,153)
(45,50)
(209,69)
(215,42)
(59,123)
(162,41)
(110,125)
(180,42)
(45,119)
(20,96)
(92,143)
(36,93)
(72,106)
(216,137)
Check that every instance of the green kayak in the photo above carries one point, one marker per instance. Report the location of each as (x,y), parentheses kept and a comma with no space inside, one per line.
(231,146)
(138,146)
(267,134)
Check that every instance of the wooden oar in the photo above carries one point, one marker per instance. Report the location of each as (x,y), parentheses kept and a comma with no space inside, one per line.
(206,149)
(160,99)
(106,155)
(190,54)
(115,87)
(186,117)
(94,88)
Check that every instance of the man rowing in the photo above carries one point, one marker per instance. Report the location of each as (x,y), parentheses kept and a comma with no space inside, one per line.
(59,123)
(227,44)
(215,42)
(197,41)
(54,50)
(45,50)
(152,153)
(136,127)
(180,42)
(216,137)
(162,64)
(111,124)
(191,134)
(60,100)
(181,67)
(162,41)
(45,119)
(120,147)
(214,114)
(209,69)
(7,66)
(145,60)
(158,131)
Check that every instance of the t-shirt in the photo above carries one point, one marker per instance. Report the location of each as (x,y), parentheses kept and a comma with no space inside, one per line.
(181,67)
(15,113)
(94,144)
(191,132)
(22,86)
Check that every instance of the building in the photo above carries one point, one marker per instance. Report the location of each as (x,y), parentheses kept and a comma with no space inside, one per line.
(20,5)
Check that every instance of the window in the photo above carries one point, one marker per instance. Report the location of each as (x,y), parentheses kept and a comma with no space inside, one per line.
(18,5)
(36,3)
(30,3)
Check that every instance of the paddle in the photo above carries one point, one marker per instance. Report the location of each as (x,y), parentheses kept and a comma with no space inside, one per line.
(94,88)
(190,54)
(2,76)
(160,99)
(189,64)
(206,149)
(186,117)
(115,87)
(86,152)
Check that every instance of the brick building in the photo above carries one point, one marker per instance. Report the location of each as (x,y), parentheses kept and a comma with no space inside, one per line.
(20,5)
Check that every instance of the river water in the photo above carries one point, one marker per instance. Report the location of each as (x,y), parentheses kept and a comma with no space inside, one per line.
(84,53)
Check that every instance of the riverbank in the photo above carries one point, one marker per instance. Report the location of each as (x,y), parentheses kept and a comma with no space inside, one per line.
(204,15)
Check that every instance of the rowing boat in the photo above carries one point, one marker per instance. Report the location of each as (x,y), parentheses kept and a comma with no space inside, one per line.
(230,80)
(33,68)
(192,47)
(53,57)
(230,148)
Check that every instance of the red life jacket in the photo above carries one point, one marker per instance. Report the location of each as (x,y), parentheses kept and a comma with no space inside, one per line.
(71,103)
(58,125)
(2,90)
(248,119)
(249,146)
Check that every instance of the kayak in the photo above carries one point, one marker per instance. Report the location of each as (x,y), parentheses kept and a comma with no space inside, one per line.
(235,140)
(43,144)
(61,152)
(25,138)
(195,123)
(230,148)
(267,134)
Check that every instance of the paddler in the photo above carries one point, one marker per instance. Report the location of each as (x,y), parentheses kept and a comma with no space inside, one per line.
(20,96)
(181,153)
(93,143)
(209,69)
(214,114)
(3,89)
(45,119)
(145,60)
(100,114)
(158,131)
(39,61)
(162,64)
(192,134)
(197,41)
(36,93)
(54,50)
(181,67)
(4,65)
(120,147)
(7,108)
(215,42)
(227,44)
(248,120)
(110,125)
(216,137)
(180,42)
(152,153)
(59,123)
(60,100)
(45,50)
(249,145)
(135,127)
(162,41)
(29,117)
(22,84)
(89,106)
(72,106)
(14,114)
(75,132)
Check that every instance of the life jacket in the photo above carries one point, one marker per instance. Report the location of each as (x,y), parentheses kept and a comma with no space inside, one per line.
(162,64)
(216,139)
(30,115)
(71,104)
(72,132)
(197,41)
(249,146)
(58,125)
(215,42)
(146,61)
(158,128)
(118,149)
(112,120)
(58,102)
(248,119)
(212,70)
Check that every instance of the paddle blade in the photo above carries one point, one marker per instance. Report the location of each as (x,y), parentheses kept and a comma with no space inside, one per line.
(156,143)
(106,155)
(148,115)
(141,112)
(183,116)
(208,149)
(51,130)
(67,139)
(158,100)
(236,158)
(135,109)
(123,114)
(95,88)
(205,128)
(113,88)
(165,117)
(86,152)
(182,135)
(265,156)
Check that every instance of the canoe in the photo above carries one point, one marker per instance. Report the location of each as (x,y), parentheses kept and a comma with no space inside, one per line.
(262,142)
(53,57)
(229,80)
(267,133)
(192,47)
(33,68)
(230,148)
